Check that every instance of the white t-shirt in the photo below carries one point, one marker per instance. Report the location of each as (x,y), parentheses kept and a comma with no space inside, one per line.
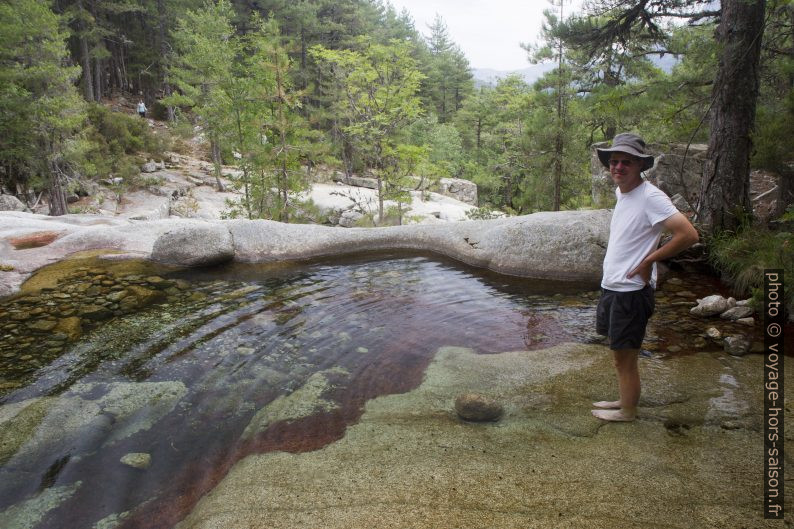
(634,232)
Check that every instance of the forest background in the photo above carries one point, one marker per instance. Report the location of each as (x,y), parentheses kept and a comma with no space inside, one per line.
(283,88)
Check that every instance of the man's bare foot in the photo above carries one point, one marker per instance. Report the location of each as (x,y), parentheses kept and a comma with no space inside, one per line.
(614,415)
(607,404)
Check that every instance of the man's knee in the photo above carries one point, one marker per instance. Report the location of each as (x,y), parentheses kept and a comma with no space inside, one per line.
(625,359)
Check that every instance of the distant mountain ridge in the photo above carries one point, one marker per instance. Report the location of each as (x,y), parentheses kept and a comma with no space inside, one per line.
(489,76)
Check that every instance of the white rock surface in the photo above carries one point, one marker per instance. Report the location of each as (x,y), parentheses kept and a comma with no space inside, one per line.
(343,197)
(11,203)
(195,244)
(737,313)
(566,245)
(710,306)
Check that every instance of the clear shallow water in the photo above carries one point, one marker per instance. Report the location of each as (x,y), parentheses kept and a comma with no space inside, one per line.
(182,380)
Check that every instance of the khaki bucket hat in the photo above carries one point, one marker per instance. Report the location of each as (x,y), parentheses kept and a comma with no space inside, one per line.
(630,144)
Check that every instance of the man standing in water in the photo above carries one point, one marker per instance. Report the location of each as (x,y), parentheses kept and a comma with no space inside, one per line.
(641,214)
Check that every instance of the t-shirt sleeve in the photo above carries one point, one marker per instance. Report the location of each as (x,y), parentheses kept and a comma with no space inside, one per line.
(659,207)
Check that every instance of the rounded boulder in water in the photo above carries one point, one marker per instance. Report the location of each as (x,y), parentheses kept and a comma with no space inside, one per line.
(478,408)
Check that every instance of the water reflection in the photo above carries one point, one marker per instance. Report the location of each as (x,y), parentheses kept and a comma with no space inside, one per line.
(288,356)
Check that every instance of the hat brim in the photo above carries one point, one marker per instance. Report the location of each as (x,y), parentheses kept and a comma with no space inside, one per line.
(603,155)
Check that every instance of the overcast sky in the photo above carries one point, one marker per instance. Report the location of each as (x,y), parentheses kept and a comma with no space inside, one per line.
(488,31)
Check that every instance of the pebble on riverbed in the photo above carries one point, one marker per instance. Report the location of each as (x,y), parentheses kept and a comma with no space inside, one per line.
(477,408)
(139,460)
(737,345)
(37,327)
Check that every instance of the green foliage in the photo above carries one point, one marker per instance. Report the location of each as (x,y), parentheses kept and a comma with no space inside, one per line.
(742,258)
(442,142)
(40,110)
(202,69)
(483,213)
(124,134)
(448,80)
(114,144)
(774,125)
(375,94)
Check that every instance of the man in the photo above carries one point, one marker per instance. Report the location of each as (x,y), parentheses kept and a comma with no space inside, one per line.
(641,214)
(141,109)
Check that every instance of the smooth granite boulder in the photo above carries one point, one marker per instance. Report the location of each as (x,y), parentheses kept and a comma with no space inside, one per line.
(565,245)
(12,203)
(194,245)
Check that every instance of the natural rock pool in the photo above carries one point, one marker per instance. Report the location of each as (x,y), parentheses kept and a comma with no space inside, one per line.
(129,392)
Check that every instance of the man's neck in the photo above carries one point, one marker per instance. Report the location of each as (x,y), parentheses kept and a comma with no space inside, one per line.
(630,186)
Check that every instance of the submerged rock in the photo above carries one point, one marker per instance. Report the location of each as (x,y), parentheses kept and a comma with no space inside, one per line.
(103,412)
(33,510)
(138,297)
(303,402)
(405,450)
(476,407)
(139,460)
(737,345)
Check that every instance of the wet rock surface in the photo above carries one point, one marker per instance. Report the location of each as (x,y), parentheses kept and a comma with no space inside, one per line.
(36,328)
(477,408)
(697,421)
(288,398)
(737,345)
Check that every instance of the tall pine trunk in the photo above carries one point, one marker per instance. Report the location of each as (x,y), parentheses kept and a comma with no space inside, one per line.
(724,194)
(215,152)
(98,79)
(161,13)
(57,190)
(85,57)
(559,141)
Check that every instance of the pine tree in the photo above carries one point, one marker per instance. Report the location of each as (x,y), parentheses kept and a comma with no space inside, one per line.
(40,110)
(449,80)
(379,86)
(272,136)
(724,198)
(201,68)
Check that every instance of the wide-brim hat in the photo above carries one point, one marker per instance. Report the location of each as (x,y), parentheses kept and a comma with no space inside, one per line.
(630,144)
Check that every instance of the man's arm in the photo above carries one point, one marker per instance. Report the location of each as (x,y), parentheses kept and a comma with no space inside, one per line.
(684,236)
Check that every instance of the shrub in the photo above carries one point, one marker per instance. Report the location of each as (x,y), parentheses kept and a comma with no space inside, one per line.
(122,133)
(742,258)
(114,144)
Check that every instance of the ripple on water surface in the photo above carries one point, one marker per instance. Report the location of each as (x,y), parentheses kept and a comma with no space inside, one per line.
(223,363)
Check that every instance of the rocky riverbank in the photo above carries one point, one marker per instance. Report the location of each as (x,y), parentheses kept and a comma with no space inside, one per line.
(699,405)
(567,245)
(691,460)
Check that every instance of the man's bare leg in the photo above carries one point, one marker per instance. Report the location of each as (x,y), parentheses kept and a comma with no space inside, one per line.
(628,373)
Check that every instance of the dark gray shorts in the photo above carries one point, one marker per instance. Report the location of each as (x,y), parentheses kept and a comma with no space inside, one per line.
(623,316)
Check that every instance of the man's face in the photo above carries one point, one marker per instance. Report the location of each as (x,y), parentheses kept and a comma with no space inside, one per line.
(625,170)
